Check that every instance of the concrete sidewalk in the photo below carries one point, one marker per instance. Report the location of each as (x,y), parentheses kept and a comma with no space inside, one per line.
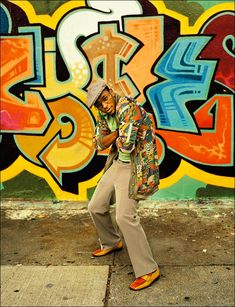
(46,257)
(53,286)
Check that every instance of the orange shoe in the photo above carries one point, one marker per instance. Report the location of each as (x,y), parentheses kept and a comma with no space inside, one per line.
(145,280)
(102,252)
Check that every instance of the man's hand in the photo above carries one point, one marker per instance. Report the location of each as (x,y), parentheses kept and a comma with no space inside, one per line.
(108,140)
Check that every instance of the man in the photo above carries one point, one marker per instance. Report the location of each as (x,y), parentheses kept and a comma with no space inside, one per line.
(131,172)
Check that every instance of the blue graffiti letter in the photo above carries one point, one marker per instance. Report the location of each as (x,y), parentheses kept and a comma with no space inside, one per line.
(187,79)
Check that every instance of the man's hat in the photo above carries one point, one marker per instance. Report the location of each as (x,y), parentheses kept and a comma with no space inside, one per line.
(94,91)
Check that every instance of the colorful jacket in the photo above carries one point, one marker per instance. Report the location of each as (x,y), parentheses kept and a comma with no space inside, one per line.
(136,136)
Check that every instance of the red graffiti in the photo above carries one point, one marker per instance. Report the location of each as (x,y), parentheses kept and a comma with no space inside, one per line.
(213,145)
(27,112)
(221,47)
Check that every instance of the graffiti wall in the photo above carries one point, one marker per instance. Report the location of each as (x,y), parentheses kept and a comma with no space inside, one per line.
(175,57)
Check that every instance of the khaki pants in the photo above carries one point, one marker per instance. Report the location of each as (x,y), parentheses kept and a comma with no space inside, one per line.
(116,179)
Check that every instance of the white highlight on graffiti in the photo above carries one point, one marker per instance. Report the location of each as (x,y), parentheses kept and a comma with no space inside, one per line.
(229,38)
(84,22)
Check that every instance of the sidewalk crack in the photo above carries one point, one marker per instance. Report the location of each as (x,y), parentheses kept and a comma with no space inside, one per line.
(107,293)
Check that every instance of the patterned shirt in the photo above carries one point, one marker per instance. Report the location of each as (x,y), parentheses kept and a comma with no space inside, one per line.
(136,137)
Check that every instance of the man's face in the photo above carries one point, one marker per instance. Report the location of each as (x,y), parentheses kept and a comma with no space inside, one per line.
(106,102)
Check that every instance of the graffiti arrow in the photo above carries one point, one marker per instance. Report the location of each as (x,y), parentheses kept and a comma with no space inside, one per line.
(75,151)
(61,157)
